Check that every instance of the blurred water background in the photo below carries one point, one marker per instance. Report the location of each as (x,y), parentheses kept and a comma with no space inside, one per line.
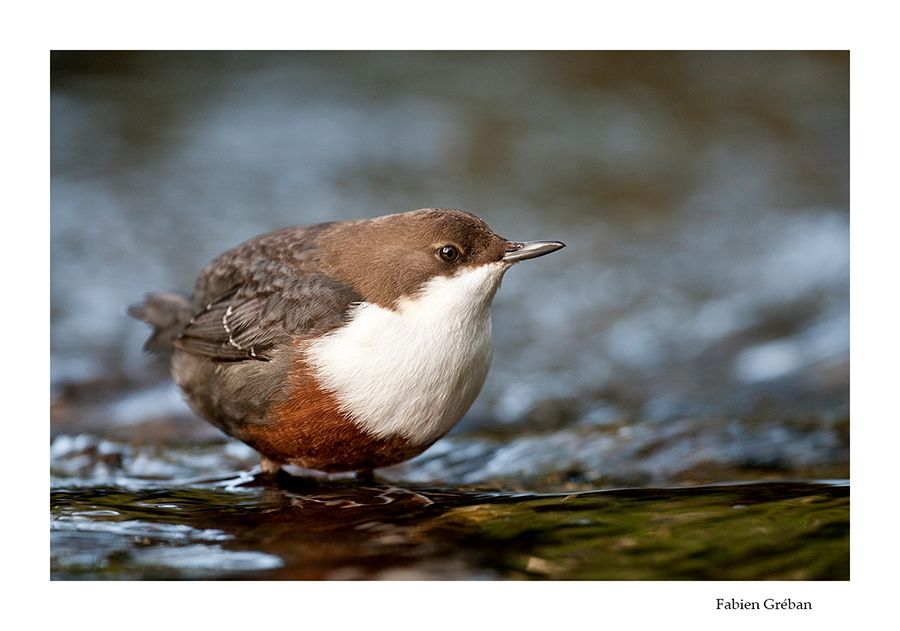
(703,299)
(695,330)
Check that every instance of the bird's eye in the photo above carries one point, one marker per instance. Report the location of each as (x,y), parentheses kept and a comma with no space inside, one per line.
(449,253)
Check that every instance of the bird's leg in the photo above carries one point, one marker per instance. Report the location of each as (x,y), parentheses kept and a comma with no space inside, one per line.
(269,467)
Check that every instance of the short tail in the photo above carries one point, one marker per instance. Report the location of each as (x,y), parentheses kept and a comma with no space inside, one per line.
(168,314)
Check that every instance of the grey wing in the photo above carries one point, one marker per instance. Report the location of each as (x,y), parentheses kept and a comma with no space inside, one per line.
(248,320)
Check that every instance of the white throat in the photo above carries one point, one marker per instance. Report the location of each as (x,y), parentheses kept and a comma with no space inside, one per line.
(413,371)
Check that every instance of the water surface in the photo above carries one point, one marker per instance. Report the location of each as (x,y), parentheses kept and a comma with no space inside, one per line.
(779,531)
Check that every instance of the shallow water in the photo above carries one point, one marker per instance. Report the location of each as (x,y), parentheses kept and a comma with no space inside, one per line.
(342,531)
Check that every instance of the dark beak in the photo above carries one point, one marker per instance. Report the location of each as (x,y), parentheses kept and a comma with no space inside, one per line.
(517,251)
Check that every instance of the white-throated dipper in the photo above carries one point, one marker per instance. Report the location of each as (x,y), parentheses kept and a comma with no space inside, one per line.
(343,346)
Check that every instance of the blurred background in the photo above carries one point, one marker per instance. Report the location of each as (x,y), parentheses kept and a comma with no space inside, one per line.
(695,329)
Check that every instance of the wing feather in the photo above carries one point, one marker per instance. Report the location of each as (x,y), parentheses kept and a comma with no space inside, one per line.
(261,294)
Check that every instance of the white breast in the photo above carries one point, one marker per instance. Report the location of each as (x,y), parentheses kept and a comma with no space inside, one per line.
(413,371)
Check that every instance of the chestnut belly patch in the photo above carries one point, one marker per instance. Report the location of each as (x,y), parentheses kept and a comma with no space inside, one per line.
(309,430)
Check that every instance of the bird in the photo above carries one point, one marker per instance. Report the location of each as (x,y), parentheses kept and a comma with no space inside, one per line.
(344,346)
